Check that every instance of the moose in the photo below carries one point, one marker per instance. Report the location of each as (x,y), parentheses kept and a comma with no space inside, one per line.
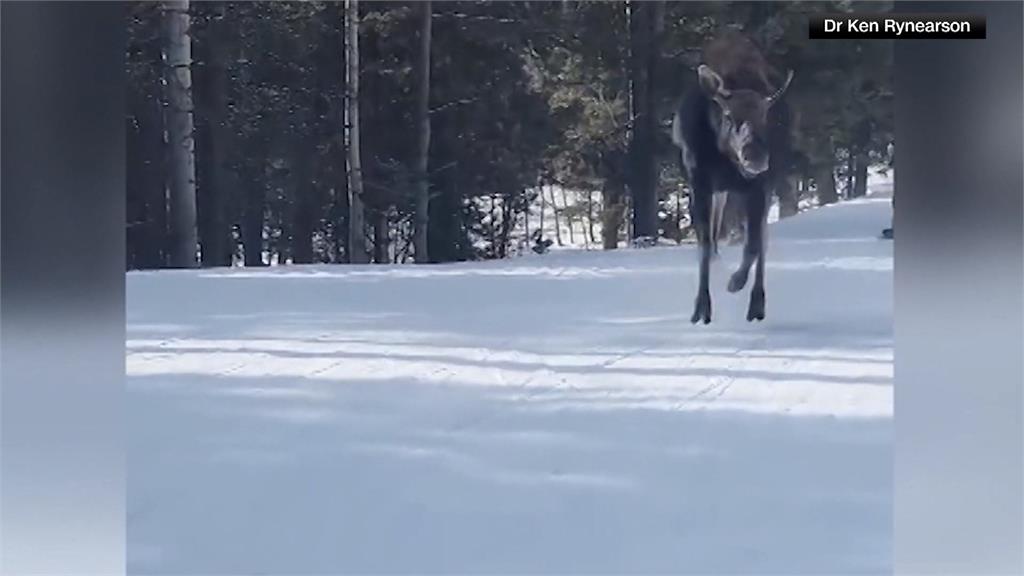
(732,129)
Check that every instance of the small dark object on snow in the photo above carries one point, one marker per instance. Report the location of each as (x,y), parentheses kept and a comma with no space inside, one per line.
(540,244)
(644,242)
(887,233)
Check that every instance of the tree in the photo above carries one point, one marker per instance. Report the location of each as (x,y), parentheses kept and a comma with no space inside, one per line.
(646,23)
(146,178)
(214,192)
(357,228)
(180,135)
(422,202)
(493,104)
(843,91)
(824,179)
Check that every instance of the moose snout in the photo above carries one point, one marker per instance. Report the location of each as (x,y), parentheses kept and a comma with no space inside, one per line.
(754,158)
(755,154)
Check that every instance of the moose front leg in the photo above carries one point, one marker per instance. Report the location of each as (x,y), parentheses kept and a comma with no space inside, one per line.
(718,202)
(755,203)
(753,251)
(700,214)
(756,309)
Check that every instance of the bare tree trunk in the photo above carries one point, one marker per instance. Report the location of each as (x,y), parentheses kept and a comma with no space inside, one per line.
(357,253)
(543,206)
(281,245)
(399,253)
(646,23)
(180,134)
(335,173)
(306,206)
(507,220)
(302,226)
(339,218)
(422,216)
(826,185)
(381,236)
(214,179)
(583,225)
(627,222)
(554,210)
(568,216)
(526,221)
(252,225)
(860,177)
(851,168)
(788,202)
(494,225)
(678,232)
(612,214)
(147,182)
(590,216)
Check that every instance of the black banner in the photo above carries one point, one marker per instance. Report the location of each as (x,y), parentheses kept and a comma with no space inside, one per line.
(896,26)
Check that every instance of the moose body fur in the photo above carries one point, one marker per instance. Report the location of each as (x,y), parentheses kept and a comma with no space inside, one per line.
(732,129)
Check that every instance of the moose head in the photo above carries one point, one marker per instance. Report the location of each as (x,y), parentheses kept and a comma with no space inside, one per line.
(740,120)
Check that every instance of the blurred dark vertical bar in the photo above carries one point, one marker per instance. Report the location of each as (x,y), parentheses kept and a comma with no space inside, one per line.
(959,297)
(62,287)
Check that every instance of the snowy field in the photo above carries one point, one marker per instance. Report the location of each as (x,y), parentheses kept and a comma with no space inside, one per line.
(545,414)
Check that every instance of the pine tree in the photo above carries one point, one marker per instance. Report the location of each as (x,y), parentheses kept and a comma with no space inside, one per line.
(180,134)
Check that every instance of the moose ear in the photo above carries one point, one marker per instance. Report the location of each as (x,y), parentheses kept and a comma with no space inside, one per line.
(711,82)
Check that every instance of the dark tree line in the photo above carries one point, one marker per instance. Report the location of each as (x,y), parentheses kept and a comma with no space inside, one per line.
(320,132)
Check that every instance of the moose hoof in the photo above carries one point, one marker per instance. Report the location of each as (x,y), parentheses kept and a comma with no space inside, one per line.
(702,309)
(738,280)
(756,309)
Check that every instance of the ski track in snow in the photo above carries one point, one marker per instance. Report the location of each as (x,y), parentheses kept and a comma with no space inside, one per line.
(552,413)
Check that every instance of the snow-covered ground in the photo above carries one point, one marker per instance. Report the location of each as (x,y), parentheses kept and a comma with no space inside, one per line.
(553,413)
